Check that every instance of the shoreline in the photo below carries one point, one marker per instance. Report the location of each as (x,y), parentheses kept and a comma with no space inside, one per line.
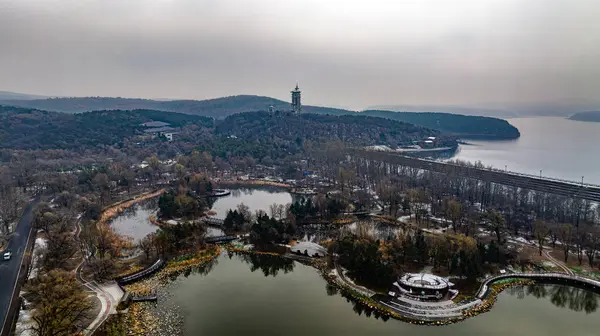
(200,258)
(320,265)
(253,183)
(114,210)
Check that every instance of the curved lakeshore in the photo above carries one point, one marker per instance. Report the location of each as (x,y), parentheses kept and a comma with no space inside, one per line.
(164,280)
(145,318)
(282,287)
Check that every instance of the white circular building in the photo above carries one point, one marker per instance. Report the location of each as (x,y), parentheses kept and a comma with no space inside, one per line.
(423,286)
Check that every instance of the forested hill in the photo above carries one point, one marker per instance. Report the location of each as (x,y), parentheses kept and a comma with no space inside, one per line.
(593,116)
(22,128)
(276,134)
(219,108)
(256,134)
(473,127)
(355,129)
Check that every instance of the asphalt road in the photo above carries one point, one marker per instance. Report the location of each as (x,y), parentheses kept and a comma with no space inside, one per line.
(9,270)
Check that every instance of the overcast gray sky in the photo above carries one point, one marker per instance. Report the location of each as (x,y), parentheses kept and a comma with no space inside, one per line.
(348,53)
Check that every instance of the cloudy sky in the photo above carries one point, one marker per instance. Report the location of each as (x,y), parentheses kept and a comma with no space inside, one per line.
(347,53)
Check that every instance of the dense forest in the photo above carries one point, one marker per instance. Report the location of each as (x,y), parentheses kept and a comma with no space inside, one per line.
(22,128)
(472,127)
(586,116)
(255,134)
(219,108)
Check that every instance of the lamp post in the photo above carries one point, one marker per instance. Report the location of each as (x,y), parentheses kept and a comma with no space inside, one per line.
(582,181)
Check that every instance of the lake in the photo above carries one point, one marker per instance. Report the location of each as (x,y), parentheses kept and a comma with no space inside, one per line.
(255,199)
(135,223)
(561,148)
(252,295)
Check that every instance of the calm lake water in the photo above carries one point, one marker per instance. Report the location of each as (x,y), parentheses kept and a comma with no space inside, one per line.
(135,222)
(251,295)
(561,148)
(255,199)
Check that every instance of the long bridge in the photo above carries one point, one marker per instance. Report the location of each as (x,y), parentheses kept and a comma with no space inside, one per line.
(141,274)
(565,188)
(213,221)
(541,277)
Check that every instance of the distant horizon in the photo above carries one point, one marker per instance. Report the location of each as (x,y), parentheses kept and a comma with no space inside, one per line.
(493,110)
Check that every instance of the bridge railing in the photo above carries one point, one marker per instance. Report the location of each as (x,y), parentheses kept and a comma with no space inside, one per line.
(555,276)
(143,273)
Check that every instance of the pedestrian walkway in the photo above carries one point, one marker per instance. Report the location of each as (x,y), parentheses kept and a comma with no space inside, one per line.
(558,263)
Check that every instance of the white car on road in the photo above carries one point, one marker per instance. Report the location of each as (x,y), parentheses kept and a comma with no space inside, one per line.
(7,255)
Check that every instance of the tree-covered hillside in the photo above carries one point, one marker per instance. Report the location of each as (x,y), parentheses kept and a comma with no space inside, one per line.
(254,134)
(22,128)
(277,134)
(473,127)
(220,108)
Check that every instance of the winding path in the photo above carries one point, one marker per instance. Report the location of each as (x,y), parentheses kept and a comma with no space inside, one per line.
(105,298)
(558,263)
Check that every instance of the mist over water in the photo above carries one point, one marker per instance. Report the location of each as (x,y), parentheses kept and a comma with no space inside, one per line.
(561,148)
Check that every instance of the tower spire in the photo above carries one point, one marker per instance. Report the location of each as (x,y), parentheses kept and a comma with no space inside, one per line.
(296,99)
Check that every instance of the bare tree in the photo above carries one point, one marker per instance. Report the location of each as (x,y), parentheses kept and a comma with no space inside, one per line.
(147,245)
(11,202)
(593,245)
(454,213)
(497,224)
(565,234)
(540,231)
(59,304)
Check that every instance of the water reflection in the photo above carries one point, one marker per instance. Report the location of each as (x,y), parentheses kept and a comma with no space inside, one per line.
(200,270)
(255,199)
(573,298)
(134,222)
(269,265)
(361,309)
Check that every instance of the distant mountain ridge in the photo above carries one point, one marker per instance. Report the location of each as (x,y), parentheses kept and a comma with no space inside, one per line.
(219,108)
(592,116)
(7,95)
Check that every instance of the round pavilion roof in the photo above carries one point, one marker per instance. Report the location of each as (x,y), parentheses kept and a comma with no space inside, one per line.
(423,280)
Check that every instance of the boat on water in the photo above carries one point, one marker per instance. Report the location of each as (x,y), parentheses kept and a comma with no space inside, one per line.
(303,192)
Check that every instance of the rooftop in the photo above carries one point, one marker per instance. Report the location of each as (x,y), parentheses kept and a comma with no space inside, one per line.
(155,124)
(424,280)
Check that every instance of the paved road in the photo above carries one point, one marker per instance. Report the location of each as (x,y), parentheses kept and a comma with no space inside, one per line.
(543,184)
(9,270)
